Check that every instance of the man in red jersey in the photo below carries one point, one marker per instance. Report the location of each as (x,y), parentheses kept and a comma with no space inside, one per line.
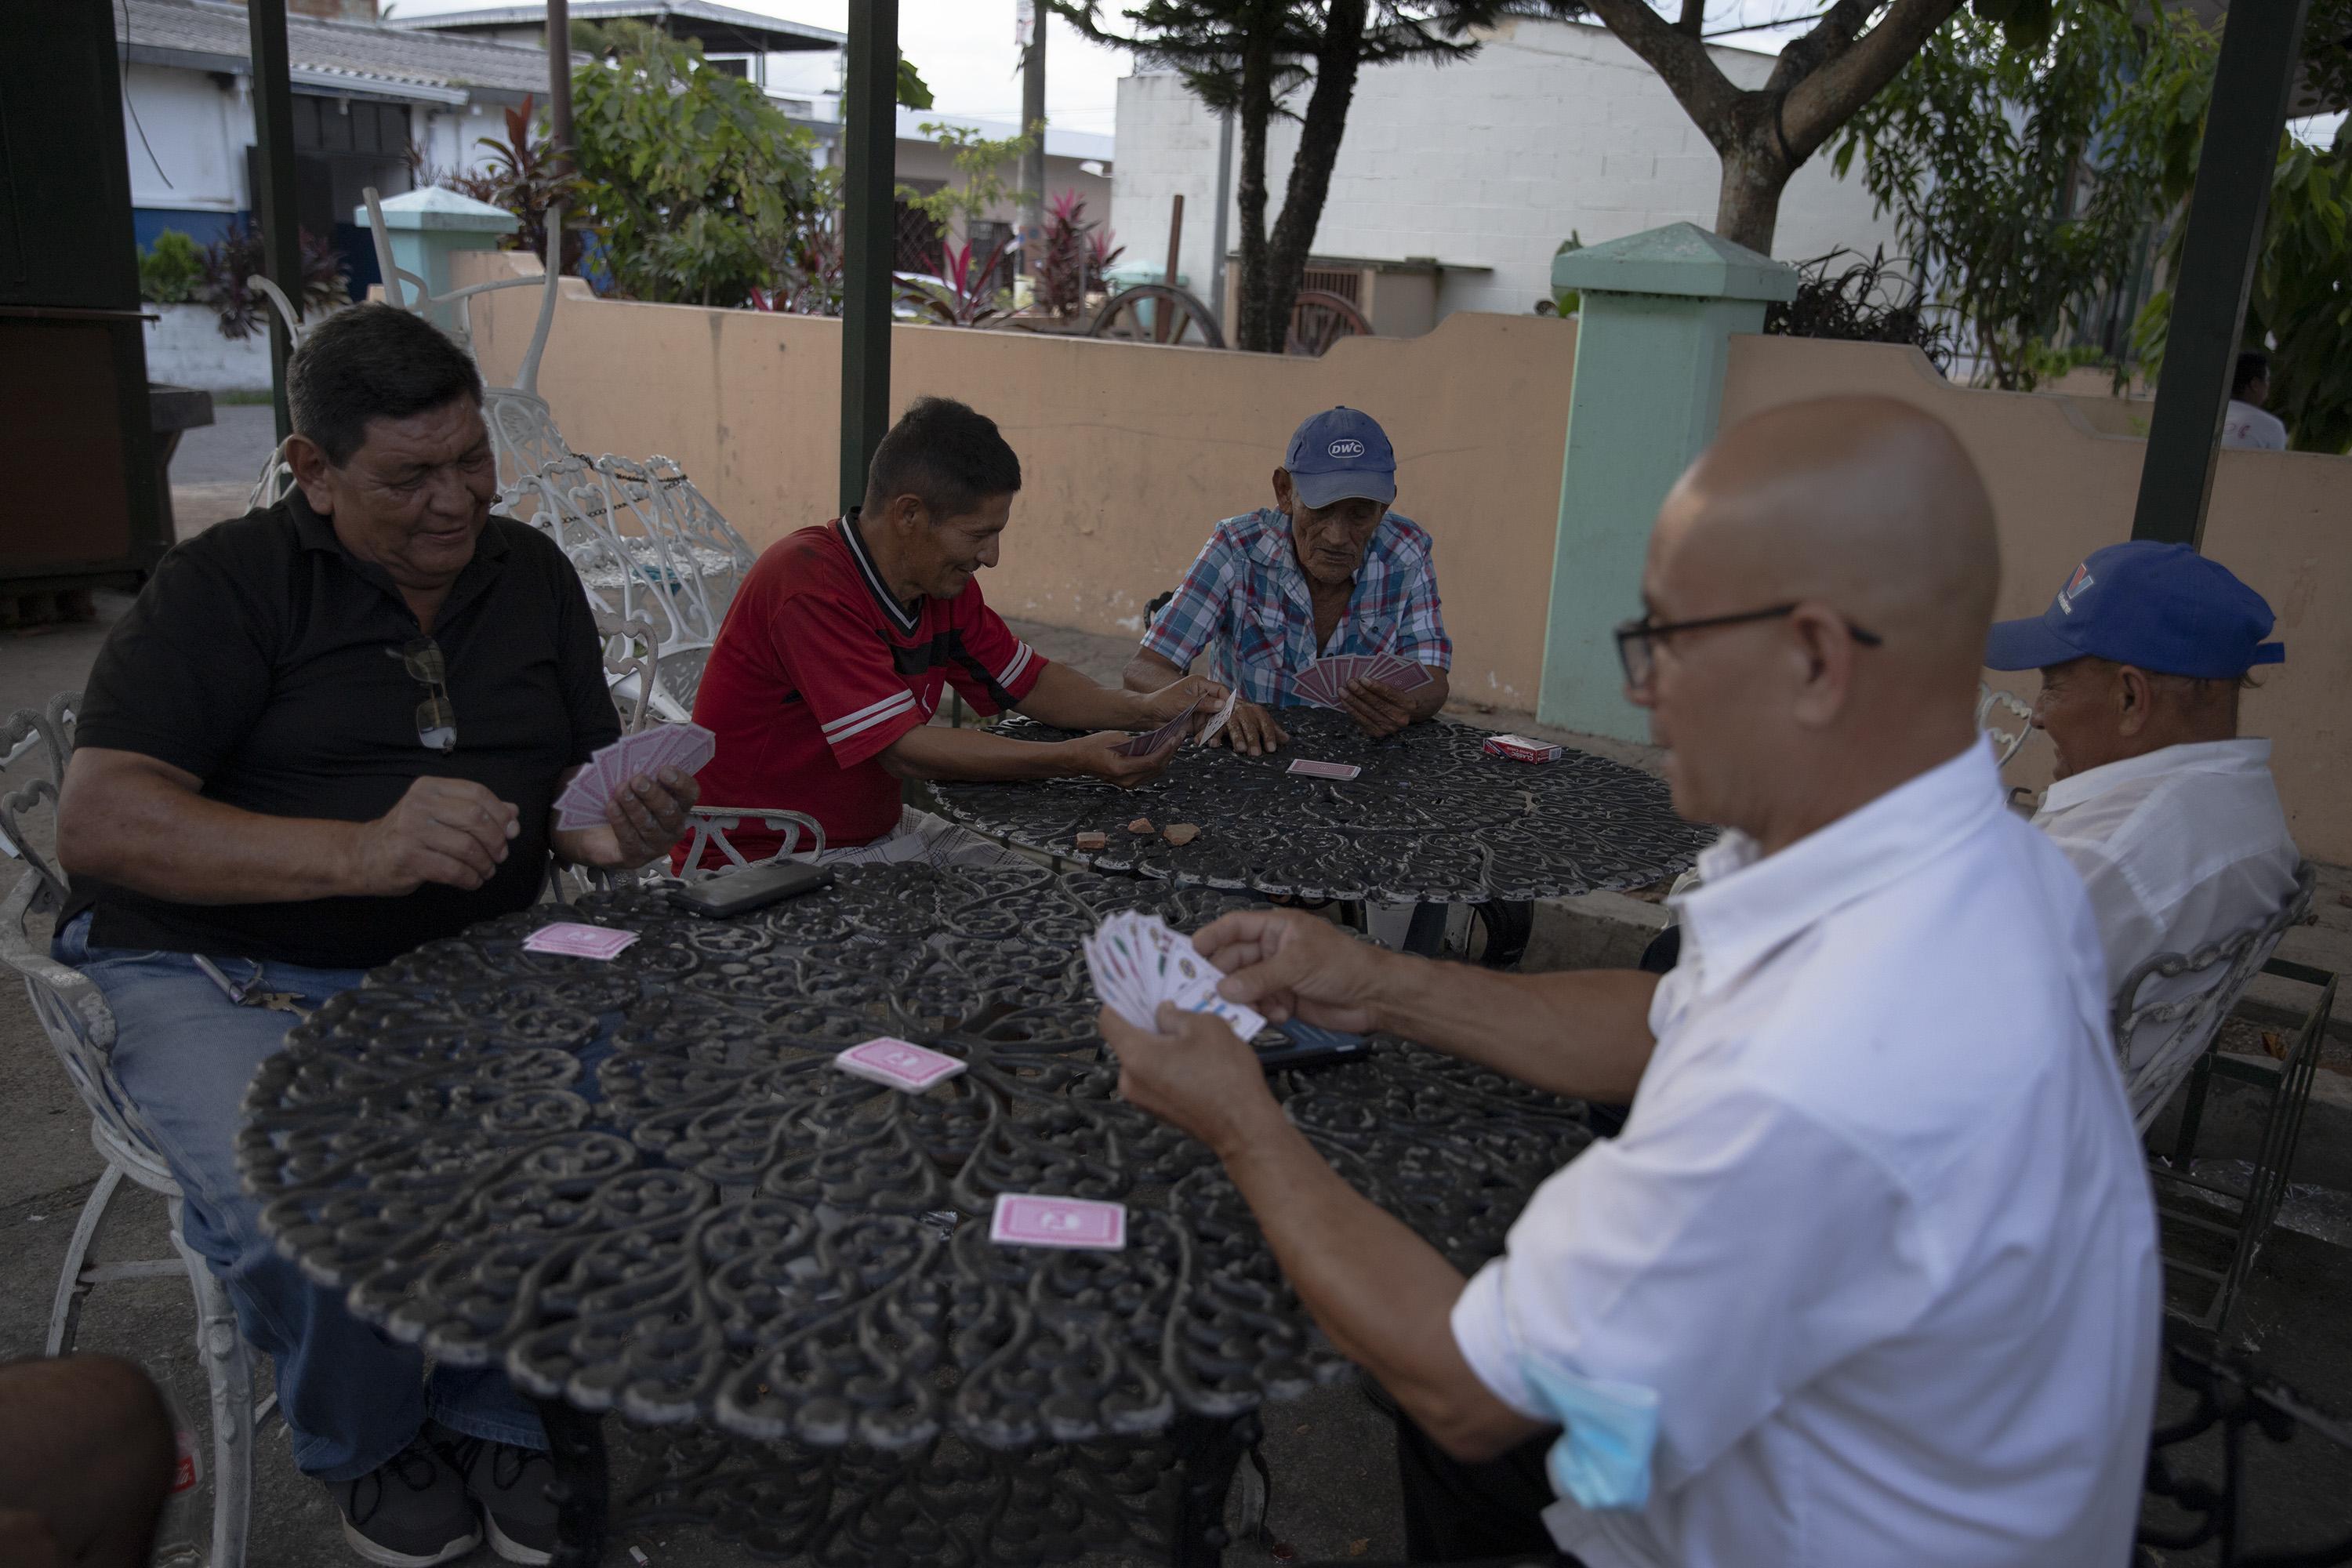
(843,637)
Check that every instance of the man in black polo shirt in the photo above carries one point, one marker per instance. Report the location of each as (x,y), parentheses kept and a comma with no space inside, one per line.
(326,732)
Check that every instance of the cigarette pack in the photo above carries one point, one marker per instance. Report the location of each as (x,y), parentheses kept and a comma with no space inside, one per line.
(1519,748)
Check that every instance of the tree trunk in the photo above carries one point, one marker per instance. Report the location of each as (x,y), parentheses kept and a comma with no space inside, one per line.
(1256,109)
(1319,134)
(1748,204)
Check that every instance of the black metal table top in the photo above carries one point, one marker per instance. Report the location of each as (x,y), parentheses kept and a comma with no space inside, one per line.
(1430,819)
(640,1186)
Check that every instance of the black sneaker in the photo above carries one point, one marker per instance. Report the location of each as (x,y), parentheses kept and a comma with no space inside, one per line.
(510,1484)
(411,1512)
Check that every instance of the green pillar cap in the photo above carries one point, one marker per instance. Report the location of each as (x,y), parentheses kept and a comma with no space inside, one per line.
(1680,258)
(445,210)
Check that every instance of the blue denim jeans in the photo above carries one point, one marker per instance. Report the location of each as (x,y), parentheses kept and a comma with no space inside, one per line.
(184,1053)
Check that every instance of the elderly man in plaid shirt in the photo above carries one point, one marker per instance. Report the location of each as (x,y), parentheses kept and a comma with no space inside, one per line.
(1326,569)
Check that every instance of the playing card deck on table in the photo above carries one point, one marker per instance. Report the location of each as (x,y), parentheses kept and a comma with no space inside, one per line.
(577,940)
(1027,1219)
(1325,682)
(1139,961)
(686,747)
(1167,734)
(899,1064)
(1308,768)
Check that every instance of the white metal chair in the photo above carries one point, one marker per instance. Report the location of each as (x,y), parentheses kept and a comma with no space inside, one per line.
(1990,703)
(712,824)
(2185,1022)
(73,1012)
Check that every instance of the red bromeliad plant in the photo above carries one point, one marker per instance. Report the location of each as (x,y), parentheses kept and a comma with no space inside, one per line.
(526,176)
(1078,253)
(963,295)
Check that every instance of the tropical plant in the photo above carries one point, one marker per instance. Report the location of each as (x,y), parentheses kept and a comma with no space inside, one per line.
(804,263)
(964,294)
(237,257)
(1866,302)
(525,175)
(1247,56)
(170,270)
(1564,301)
(1077,254)
(694,180)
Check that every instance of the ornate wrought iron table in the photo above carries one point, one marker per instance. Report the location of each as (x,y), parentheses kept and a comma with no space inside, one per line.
(1431,819)
(641,1187)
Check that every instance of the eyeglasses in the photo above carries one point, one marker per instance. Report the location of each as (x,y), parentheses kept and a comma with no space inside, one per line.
(1636,639)
(436,720)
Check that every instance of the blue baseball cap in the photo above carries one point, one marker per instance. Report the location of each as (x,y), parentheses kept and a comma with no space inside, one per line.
(1340,454)
(2163,607)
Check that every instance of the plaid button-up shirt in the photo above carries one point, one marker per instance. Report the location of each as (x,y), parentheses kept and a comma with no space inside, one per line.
(1246,595)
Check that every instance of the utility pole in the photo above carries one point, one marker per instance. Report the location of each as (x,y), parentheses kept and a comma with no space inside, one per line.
(1217,225)
(559,79)
(869,149)
(273,204)
(1029,30)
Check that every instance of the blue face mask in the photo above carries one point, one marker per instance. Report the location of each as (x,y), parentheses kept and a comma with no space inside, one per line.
(1608,1432)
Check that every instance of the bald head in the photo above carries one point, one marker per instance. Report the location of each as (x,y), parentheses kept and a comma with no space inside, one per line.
(1863,501)
(1865,515)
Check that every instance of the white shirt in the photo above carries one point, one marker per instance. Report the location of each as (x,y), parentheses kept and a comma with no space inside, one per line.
(2246,425)
(1876,1232)
(2178,848)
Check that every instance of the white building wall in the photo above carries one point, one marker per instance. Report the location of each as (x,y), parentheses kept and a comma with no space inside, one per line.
(1551,129)
(192,156)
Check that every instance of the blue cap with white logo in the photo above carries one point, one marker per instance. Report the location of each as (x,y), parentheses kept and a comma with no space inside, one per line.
(2162,607)
(1339,454)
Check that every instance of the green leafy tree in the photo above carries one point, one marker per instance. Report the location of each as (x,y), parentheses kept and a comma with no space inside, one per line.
(1247,56)
(2025,179)
(2300,307)
(981,187)
(694,180)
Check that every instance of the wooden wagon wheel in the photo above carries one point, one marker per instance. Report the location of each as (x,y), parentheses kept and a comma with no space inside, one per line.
(1320,318)
(1168,315)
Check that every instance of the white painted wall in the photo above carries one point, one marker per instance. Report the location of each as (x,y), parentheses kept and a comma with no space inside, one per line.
(193,154)
(185,347)
(1552,127)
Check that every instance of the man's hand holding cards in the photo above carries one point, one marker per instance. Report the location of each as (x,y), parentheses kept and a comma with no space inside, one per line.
(629,802)
(1139,961)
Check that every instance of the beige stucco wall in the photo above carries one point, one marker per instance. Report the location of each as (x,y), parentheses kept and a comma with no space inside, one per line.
(1130,452)
(2281,520)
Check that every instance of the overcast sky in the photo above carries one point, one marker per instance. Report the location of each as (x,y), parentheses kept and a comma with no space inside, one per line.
(964,49)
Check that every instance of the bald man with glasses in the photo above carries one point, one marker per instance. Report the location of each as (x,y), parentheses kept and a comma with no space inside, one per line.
(1869,1275)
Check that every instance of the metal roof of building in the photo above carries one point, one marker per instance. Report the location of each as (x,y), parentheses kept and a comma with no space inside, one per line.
(359,58)
(722,30)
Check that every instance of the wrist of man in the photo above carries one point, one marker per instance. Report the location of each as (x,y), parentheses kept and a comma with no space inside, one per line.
(1256,1132)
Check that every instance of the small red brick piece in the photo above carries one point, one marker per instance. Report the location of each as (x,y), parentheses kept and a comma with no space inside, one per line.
(1180,832)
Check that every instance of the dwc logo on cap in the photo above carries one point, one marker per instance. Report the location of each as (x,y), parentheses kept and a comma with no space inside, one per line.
(1339,455)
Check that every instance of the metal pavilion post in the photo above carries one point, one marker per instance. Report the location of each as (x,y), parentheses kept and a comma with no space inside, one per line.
(2252,84)
(869,147)
(273,203)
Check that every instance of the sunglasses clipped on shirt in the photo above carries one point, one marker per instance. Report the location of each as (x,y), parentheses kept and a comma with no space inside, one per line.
(1636,640)
(436,720)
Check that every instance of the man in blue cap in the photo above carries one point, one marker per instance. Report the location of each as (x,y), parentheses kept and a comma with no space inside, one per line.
(1326,569)
(2171,819)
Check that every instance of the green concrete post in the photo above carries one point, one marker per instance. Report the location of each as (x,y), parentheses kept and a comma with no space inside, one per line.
(426,226)
(1658,313)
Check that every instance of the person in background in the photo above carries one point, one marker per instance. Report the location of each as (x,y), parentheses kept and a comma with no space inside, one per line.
(328,731)
(2245,424)
(2170,817)
(842,638)
(1326,569)
(1870,1274)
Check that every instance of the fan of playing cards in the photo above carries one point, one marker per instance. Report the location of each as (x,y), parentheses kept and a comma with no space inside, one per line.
(1325,682)
(1140,960)
(684,747)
